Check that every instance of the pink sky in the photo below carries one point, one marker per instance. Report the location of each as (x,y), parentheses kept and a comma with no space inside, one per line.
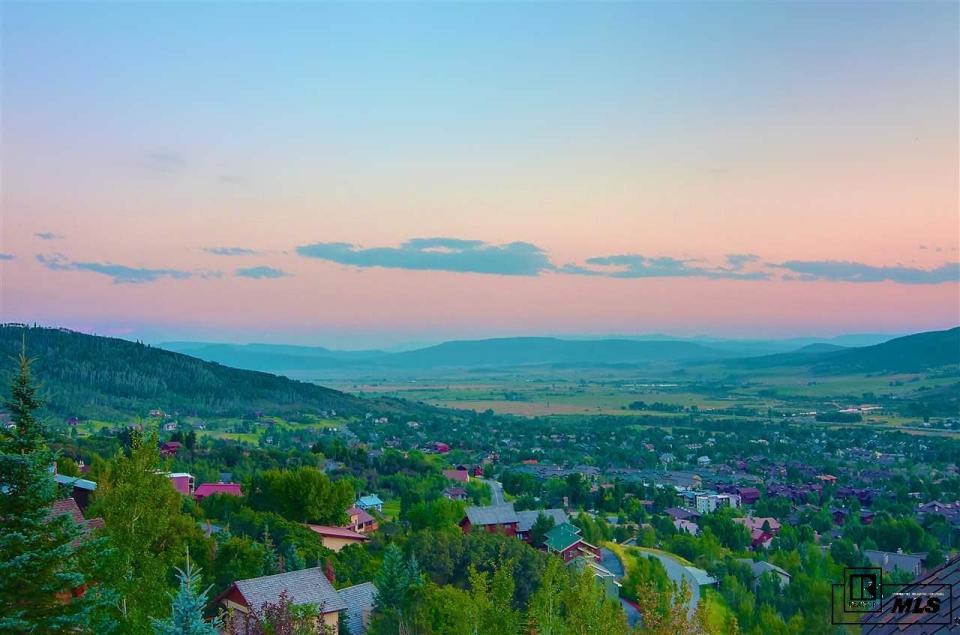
(616,143)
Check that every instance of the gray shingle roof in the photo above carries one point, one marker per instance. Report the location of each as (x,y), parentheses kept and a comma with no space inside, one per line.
(307,586)
(359,600)
(527,518)
(492,515)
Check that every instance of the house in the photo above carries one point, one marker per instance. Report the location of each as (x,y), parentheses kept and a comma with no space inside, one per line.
(678,513)
(685,526)
(608,579)
(70,507)
(759,568)
(748,495)
(170,448)
(182,482)
(766,523)
(81,489)
(371,501)
(439,447)
(458,475)
(565,541)
(360,521)
(359,600)
(529,517)
(455,494)
(709,503)
(703,461)
(892,620)
(889,561)
(209,489)
(303,587)
(336,538)
(492,519)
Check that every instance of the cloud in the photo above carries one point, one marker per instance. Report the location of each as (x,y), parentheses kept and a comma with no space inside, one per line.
(736,262)
(260,272)
(164,160)
(4,256)
(637,266)
(121,274)
(48,236)
(231,251)
(844,271)
(439,254)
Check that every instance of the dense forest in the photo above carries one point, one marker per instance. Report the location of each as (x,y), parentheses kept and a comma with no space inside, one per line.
(90,376)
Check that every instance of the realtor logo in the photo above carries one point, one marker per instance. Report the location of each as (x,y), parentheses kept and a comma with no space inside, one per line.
(864,587)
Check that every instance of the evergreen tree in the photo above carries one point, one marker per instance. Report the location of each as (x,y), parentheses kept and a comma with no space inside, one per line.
(187,609)
(391,580)
(271,561)
(43,558)
(292,560)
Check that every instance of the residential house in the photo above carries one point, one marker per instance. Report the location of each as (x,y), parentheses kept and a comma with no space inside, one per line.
(765,523)
(529,517)
(608,579)
(361,521)
(703,461)
(492,518)
(336,538)
(170,448)
(458,475)
(209,489)
(183,482)
(911,563)
(679,513)
(359,600)
(687,527)
(369,502)
(759,568)
(304,587)
(455,494)
(81,489)
(565,541)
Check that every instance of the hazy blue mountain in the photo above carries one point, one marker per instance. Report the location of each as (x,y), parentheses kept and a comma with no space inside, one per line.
(911,353)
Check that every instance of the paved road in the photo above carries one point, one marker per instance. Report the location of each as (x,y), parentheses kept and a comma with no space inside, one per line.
(496,491)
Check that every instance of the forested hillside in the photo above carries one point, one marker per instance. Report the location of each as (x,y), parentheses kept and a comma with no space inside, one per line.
(86,375)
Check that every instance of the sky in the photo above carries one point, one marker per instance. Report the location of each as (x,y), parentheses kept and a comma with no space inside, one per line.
(367,174)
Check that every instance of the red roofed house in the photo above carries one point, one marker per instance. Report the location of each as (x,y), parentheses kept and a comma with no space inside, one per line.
(360,521)
(458,475)
(770,525)
(170,448)
(209,489)
(336,538)
(69,507)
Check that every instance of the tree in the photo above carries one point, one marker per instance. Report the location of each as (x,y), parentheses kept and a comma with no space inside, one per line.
(589,611)
(493,598)
(45,560)
(146,527)
(541,526)
(271,561)
(544,614)
(187,609)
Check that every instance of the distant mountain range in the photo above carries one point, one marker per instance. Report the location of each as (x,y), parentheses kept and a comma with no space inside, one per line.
(90,376)
(911,353)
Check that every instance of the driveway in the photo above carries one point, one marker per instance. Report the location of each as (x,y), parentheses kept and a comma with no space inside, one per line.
(496,491)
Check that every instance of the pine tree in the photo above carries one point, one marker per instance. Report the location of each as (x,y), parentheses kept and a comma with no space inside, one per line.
(42,558)
(391,581)
(271,561)
(187,608)
(292,560)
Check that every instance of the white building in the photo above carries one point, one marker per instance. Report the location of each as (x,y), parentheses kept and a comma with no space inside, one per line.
(709,503)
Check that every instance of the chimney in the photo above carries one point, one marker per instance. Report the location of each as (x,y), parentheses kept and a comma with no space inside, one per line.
(328,571)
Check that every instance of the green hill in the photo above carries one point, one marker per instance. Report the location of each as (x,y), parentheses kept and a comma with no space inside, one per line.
(91,376)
